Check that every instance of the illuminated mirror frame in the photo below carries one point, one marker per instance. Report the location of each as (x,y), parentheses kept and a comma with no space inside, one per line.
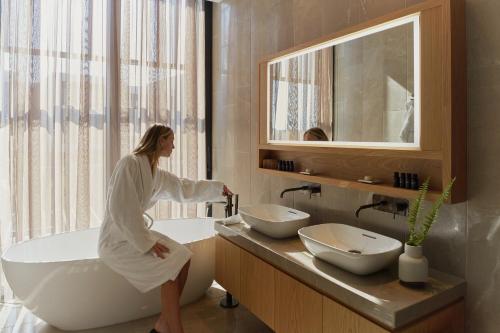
(415,19)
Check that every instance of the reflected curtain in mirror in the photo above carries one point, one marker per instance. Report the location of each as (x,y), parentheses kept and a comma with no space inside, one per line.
(301,95)
(358,89)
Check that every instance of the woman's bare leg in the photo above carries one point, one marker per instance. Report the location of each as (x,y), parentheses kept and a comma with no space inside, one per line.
(170,319)
(183,276)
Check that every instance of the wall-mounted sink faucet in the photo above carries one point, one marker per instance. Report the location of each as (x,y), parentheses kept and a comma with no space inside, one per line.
(311,188)
(380,203)
(396,206)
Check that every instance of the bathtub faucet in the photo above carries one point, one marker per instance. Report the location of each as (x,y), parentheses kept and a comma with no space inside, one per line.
(228,301)
(228,206)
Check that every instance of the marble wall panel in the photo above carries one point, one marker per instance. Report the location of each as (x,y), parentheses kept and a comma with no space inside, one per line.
(271,22)
(483,220)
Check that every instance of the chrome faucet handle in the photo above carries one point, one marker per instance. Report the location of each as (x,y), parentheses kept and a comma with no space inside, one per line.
(314,189)
(228,205)
(236,202)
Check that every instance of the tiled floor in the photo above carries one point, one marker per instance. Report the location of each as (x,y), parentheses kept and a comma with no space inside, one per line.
(204,316)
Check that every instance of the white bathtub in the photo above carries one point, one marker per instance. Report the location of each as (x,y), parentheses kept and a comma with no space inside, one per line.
(61,279)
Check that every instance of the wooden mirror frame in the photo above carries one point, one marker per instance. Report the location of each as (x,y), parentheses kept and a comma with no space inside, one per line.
(443,138)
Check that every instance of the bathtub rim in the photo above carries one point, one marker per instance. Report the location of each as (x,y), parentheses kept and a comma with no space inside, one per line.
(86,260)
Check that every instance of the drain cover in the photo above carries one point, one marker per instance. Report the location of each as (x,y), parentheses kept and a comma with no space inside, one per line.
(354,251)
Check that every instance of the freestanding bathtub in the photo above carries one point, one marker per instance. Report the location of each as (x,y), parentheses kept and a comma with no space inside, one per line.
(61,279)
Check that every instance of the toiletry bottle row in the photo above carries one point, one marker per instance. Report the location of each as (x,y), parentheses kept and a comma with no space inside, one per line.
(406,180)
(285,165)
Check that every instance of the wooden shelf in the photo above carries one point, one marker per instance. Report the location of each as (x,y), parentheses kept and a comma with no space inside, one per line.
(365,151)
(342,183)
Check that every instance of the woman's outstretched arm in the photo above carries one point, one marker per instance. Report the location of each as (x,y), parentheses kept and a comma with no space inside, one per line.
(187,190)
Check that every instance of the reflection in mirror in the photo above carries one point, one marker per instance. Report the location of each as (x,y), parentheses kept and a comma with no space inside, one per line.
(301,95)
(358,90)
(374,87)
(315,134)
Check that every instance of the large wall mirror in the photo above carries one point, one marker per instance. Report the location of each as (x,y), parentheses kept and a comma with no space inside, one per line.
(362,89)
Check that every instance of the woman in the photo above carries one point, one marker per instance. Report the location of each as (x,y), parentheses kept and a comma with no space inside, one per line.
(315,134)
(148,259)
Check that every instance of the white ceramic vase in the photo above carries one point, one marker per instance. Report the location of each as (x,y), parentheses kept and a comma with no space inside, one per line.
(413,266)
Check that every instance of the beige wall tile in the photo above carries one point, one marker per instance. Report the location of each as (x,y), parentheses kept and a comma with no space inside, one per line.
(307,17)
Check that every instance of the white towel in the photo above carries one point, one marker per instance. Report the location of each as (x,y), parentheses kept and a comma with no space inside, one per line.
(407,130)
(230,220)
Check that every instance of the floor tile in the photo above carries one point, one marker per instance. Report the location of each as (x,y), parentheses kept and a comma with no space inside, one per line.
(204,316)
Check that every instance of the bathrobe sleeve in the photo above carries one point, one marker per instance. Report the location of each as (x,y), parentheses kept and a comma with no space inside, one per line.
(178,189)
(125,206)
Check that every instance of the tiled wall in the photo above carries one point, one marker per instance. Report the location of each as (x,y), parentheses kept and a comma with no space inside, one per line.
(466,239)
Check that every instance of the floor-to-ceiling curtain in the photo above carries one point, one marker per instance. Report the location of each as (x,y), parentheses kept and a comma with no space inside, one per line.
(80,81)
(53,104)
(163,80)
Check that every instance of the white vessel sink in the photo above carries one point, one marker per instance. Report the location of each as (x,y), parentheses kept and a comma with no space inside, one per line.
(353,249)
(274,220)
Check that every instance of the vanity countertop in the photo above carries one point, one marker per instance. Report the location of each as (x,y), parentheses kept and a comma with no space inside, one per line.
(378,296)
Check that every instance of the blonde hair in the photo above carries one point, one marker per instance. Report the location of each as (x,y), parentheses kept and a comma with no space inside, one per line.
(317,133)
(150,143)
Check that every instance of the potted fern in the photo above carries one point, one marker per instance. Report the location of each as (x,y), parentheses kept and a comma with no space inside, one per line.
(413,266)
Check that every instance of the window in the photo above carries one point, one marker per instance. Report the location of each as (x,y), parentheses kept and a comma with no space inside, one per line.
(72,103)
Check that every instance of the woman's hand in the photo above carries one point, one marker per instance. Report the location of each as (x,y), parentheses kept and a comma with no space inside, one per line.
(226,192)
(159,249)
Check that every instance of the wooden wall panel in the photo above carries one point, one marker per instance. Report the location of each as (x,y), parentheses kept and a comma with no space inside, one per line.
(455,154)
(432,78)
(353,167)
(263,103)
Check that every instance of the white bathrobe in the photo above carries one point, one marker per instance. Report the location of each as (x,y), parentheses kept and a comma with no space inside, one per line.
(125,241)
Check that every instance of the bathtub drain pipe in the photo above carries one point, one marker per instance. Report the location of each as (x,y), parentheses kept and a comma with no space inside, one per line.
(228,301)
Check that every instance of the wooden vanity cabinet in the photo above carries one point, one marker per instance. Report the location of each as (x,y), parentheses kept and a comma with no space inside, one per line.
(258,287)
(339,319)
(246,277)
(227,265)
(289,306)
(298,307)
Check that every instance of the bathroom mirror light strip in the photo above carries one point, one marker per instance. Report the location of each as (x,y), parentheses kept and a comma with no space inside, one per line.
(415,20)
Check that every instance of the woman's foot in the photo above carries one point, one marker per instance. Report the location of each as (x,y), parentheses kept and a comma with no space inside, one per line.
(161,326)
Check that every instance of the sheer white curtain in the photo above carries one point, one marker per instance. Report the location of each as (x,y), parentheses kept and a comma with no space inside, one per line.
(53,109)
(72,103)
(162,80)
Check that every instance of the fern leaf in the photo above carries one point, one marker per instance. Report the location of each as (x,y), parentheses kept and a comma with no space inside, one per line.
(431,217)
(415,208)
